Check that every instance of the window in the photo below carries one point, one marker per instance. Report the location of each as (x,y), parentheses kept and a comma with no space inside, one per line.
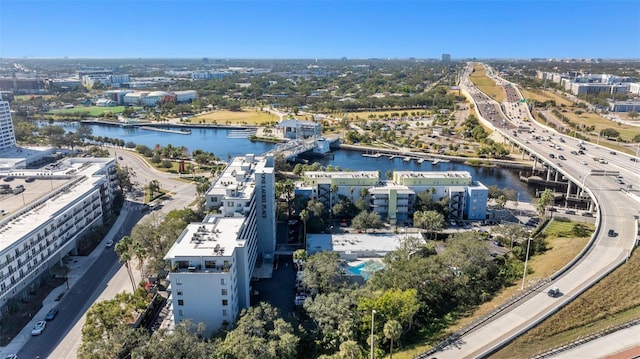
(180,301)
(225,312)
(225,302)
(222,281)
(178,281)
(179,291)
(180,312)
(224,292)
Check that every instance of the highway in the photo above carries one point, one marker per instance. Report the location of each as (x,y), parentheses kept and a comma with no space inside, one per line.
(618,210)
(104,276)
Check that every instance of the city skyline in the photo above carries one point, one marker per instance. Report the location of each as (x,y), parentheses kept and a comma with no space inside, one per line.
(320,29)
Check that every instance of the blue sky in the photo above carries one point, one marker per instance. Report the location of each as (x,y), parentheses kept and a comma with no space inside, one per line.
(320,29)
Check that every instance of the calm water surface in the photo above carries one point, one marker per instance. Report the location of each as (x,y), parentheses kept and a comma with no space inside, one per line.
(216,141)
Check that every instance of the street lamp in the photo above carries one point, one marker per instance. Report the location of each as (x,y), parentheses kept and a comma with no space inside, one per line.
(526,259)
(373,315)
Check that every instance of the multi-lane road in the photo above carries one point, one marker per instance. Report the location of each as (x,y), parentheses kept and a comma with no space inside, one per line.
(618,210)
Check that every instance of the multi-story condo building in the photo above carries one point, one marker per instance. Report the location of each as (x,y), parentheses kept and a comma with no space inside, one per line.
(394,200)
(468,199)
(247,188)
(7,136)
(42,221)
(213,261)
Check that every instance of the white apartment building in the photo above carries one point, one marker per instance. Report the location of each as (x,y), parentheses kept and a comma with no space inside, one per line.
(394,200)
(7,136)
(211,266)
(41,225)
(247,188)
(213,261)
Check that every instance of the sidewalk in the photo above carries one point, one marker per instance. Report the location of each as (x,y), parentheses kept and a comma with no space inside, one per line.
(78,266)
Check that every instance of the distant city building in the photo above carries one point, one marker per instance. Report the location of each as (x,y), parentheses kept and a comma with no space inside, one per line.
(36,235)
(151,99)
(294,128)
(7,135)
(446,57)
(117,96)
(67,84)
(22,85)
(209,75)
(624,106)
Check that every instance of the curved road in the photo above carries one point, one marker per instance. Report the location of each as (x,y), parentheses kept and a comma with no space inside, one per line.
(618,211)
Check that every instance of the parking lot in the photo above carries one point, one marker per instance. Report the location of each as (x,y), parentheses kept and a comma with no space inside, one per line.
(278,290)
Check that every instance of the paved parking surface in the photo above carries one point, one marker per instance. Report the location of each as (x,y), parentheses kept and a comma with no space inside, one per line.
(279,289)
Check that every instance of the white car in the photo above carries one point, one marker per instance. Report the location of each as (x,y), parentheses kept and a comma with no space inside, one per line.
(37,330)
(109,243)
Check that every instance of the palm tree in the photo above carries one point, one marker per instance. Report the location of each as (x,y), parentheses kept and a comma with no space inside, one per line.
(392,331)
(122,249)
(140,253)
(304,216)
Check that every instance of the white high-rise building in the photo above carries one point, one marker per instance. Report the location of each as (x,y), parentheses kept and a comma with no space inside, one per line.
(7,136)
(213,261)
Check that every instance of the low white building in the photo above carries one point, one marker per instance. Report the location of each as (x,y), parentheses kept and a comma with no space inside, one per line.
(186,96)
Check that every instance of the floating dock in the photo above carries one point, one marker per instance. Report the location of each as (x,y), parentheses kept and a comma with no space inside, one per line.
(178,132)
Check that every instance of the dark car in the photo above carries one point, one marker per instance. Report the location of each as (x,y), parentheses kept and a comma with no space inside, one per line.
(553,292)
(51,314)
(611,233)
(29,179)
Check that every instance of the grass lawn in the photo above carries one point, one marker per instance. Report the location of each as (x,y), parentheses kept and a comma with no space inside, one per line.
(627,132)
(542,96)
(562,249)
(486,85)
(605,304)
(92,110)
(366,114)
(246,116)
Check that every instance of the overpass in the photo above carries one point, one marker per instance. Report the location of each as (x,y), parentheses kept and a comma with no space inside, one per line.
(617,208)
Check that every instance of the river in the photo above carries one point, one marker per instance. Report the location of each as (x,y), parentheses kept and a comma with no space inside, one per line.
(215,140)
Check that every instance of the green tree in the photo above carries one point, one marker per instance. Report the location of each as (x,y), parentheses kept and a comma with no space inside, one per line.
(334,315)
(392,330)
(366,220)
(184,341)
(123,178)
(431,221)
(123,249)
(546,199)
(322,272)
(260,333)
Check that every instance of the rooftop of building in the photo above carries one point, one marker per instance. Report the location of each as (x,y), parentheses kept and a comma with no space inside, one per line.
(325,174)
(239,176)
(360,244)
(213,237)
(49,192)
(293,122)
(433,174)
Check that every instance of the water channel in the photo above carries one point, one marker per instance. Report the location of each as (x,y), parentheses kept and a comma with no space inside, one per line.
(215,140)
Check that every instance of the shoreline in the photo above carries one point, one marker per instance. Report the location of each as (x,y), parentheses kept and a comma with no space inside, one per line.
(485,162)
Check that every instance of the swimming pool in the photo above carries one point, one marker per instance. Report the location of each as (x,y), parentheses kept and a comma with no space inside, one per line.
(359,269)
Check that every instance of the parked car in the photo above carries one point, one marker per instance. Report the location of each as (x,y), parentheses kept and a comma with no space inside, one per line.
(11,356)
(39,328)
(51,314)
(109,243)
(29,179)
(611,233)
